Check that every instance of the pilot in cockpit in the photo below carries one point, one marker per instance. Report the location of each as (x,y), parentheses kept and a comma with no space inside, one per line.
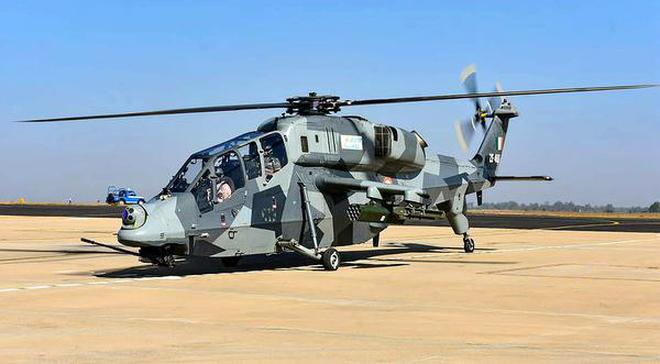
(272,162)
(224,185)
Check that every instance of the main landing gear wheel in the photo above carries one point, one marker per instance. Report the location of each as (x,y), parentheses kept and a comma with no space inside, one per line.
(468,244)
(331,259)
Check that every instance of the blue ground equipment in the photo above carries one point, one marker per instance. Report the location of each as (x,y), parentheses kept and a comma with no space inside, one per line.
(122,196)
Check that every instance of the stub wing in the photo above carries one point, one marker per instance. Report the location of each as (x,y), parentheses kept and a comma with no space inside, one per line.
(375,190)
(378,192)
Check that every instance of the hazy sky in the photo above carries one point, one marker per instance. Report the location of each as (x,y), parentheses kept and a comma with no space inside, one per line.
(67,58)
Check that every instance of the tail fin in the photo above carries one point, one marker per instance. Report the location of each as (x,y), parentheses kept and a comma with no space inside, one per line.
(489,153)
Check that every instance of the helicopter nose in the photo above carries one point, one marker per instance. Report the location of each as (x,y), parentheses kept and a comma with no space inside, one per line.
(153,224)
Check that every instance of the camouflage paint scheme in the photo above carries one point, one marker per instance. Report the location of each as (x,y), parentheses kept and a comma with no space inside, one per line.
(340,169)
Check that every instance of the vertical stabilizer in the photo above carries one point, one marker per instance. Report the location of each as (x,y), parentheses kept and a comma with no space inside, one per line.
(489,154)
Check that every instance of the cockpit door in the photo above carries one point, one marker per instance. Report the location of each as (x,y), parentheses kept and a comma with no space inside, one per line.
(219,193)
(204,192)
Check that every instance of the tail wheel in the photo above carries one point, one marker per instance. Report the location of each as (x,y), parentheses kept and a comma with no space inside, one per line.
(468,245)
(331,259)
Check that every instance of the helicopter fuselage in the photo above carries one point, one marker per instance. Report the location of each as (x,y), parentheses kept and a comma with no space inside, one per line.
(359,177)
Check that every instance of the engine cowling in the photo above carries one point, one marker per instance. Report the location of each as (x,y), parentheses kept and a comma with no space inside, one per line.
(352,143)
(398,151)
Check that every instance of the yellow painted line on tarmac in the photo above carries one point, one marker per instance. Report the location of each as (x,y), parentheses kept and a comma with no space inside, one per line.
(609,223)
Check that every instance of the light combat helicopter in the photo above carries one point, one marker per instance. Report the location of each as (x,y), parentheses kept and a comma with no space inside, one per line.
(310,180)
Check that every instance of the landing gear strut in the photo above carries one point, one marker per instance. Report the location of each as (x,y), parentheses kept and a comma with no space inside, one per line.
(330,257)
(468,243)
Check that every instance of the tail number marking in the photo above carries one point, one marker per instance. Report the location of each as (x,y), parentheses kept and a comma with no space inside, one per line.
(494,158)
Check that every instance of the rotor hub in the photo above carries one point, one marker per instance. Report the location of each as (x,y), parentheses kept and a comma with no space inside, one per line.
(314,104)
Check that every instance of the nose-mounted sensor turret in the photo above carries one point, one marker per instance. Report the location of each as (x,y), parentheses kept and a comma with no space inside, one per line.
(133,217)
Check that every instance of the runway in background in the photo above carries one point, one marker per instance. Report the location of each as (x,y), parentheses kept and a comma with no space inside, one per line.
(480,220)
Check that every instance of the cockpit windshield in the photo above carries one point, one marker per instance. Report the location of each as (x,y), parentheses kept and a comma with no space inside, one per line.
(229,144)
(195,163)
(219,161)
(186,175)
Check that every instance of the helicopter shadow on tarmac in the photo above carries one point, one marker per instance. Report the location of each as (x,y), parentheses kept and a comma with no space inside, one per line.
(47,255)
(375,258)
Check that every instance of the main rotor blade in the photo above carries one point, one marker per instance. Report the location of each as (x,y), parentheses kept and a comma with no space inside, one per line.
(395,100)
(275,105)
(337,103)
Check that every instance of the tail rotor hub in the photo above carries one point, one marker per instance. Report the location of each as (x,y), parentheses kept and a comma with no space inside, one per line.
(465,129)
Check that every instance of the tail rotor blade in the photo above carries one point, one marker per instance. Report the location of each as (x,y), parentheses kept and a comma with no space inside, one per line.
(490,107)
(469,81)
(464,133)
(483,125)
(495,101)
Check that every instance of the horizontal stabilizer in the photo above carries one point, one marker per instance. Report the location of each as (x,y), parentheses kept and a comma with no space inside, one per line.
(527,178)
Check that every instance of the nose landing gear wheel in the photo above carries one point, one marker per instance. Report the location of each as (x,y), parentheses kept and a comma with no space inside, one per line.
(468,245)
(331,259)
(165,261)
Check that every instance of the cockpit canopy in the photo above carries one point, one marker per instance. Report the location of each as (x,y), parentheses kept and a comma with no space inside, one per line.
(233,161)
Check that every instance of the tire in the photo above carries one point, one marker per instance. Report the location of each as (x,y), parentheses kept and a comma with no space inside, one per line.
(230,262)
(122,202)
(468,245)
(331,259)
(140,201)
(375,241)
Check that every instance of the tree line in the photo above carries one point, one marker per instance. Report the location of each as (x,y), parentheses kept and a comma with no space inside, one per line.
(565,206)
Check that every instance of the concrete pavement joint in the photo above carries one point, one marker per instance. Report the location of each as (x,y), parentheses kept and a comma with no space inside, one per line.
(82,284)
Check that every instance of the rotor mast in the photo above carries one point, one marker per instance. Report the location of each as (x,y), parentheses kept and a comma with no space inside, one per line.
(314,104)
